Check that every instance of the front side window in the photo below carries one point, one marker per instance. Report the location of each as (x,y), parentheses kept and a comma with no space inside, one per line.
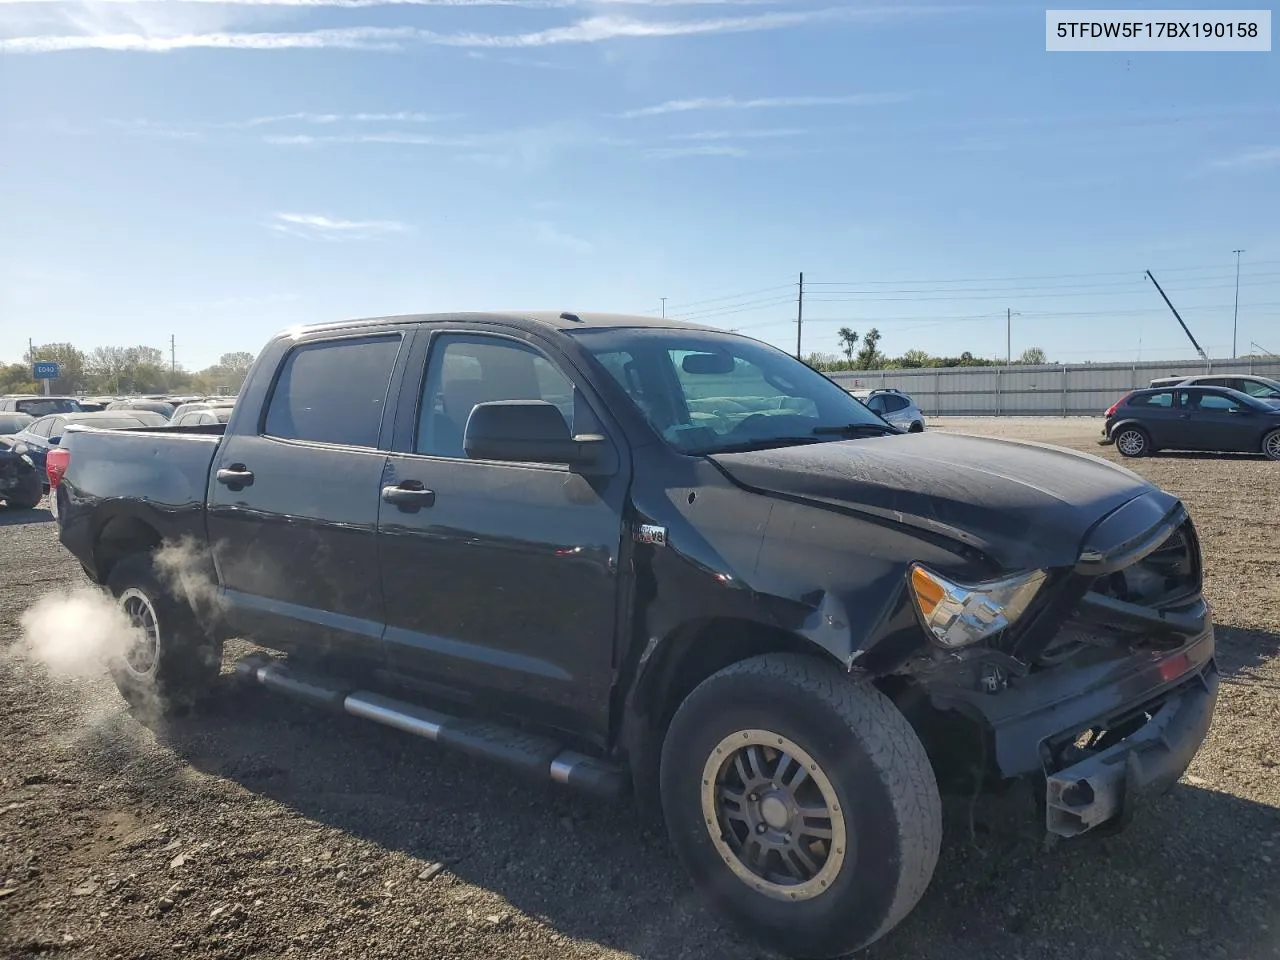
(465,370)
(334,391)
(707,392)
(1255,388)
(1208,401)
(42,427)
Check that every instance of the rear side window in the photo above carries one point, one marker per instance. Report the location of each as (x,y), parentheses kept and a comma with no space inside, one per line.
(1164,400)
(334,391)
(894,404)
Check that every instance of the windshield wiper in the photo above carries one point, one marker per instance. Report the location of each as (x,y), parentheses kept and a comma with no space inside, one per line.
(760,443)
(851,428)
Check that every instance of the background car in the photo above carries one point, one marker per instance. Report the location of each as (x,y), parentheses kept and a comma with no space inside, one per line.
(202,405)
(162,407)
(197,418)
(1192,418)
(38,406)
(21,484)
(893,405)
(1264,388)
(41,435)
(11,423)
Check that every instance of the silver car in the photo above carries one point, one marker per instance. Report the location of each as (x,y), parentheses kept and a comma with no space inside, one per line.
(895,406)
(1263,388)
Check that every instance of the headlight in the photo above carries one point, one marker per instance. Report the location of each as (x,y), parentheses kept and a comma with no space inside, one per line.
(958,614)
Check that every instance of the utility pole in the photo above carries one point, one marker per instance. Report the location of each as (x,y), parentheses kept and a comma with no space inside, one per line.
(664,307)
(799,314)
(173,358)
(31,350)
(1008,336)
(1235,316)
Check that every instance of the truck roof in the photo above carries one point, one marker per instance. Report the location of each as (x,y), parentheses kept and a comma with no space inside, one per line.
(529,319)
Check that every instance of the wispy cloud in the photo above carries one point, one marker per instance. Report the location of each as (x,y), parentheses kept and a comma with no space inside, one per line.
(547,233)
(527,4)
(590,30)
(409,139)
(310,226)
(764,103)
(1262,157)
(703,150)
(758,134)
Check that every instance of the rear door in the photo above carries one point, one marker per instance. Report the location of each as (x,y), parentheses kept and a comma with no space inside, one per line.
(501,580)
(293,505)
(1158,415)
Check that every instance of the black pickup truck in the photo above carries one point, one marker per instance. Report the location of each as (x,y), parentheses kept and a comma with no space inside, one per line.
(634,555)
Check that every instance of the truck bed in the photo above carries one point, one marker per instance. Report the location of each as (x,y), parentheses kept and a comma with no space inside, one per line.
(162,473)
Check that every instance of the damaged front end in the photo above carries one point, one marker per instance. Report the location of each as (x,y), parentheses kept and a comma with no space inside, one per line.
(1104,688)
(20,481)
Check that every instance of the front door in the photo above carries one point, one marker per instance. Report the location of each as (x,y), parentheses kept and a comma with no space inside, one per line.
(501,579)
(293,506)
(1217,421)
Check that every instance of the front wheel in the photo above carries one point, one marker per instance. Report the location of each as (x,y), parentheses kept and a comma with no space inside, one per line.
(1133,442)
(1271,445)
(802,804)
(28,498)
(168,662)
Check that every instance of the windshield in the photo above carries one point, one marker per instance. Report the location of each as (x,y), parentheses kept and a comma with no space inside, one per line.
(43,406)
(707,392)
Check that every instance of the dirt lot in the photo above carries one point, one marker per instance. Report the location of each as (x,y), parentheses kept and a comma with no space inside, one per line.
(266,829)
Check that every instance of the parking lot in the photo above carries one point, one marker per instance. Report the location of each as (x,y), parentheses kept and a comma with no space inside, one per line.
(264,828)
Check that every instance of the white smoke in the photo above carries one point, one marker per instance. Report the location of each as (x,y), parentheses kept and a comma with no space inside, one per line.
(73,633)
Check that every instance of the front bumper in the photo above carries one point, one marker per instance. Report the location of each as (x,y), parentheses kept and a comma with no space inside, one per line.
(1109,785)
(1158,703)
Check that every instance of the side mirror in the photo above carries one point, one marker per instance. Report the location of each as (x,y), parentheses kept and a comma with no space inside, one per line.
(531,431)
(54,441)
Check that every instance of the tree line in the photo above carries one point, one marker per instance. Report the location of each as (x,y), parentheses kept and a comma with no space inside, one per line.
(118,371)
(863,353)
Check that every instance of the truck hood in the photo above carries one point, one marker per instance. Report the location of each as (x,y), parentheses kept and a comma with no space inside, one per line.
(1024,505)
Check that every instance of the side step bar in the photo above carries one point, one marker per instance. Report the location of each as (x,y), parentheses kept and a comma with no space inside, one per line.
(535,755)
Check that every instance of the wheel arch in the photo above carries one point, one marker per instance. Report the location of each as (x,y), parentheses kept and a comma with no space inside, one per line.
(675,665)
(120,536)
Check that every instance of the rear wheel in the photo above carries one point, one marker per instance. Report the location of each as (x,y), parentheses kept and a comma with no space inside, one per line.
(916,427)
(170,663)
(1133,442)
(1271,445)
(801,803)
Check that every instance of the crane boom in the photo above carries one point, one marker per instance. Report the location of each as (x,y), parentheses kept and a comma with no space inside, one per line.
(1203,356)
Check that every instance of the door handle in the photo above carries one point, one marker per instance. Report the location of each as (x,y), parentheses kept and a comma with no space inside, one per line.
(235,476)
(409,496)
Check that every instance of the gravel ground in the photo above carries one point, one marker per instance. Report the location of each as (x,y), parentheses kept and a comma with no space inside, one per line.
(267,829)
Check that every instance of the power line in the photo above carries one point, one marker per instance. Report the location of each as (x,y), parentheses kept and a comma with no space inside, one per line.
(1004,294)
(731,296)
(1048,276)
(737,308)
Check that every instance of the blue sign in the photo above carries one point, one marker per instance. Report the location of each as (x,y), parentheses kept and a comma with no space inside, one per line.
(44,370)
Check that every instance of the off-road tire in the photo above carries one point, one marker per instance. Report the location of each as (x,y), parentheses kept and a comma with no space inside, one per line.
(880,773)
(186,660)
(1126,439)
(1271,445)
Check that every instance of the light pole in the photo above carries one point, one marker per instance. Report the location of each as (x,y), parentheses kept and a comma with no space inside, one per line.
(1235,315)
(664,307)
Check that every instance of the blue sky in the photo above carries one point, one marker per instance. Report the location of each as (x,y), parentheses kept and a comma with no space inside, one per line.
(219,171)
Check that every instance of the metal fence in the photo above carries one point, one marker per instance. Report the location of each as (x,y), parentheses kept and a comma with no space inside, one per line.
(1050,390)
